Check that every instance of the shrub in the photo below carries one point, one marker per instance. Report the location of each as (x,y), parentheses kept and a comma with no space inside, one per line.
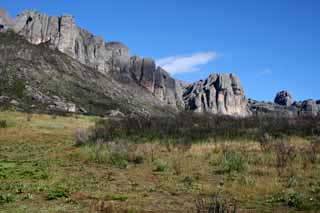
(186,128)
(291,198)
(215,203)
(232,162)
(265,142)
(177,165)
(285,154)
(29,117)
(188,182)
(3,124)
(98,153)
(121,198)
(161,166)
(119,160)
(59,193)
(6,198)
(81,137)
(136,159)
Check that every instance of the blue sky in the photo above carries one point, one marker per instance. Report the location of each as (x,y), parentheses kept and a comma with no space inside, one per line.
(270,44)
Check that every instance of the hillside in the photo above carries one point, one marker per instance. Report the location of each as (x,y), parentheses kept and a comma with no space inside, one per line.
(43,79)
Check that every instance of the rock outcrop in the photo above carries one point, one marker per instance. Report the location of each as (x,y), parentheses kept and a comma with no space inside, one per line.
(283,98)
(156,80)
(309,107)
(283,107)
(220,93)
(62,33)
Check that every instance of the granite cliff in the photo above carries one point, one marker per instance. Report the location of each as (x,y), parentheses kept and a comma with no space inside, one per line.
(220,93)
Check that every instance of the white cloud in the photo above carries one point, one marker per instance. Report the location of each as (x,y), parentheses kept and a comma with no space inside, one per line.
(266,71)
(187,63)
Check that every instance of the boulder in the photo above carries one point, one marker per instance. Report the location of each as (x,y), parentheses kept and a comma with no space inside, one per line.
(283,98)
(60,106)
(4,100)
(14,102)
(115,113)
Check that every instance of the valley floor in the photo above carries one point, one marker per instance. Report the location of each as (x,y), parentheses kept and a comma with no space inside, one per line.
(41,170)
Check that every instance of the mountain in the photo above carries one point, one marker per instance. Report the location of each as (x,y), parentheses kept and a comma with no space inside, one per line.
(45,79)
(58,52)
(50,63)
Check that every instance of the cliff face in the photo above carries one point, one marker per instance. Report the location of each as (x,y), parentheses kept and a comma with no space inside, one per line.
(63,34)
(218,94)
(107,57)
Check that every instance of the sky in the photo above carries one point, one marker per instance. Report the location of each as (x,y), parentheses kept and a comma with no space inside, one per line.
(272,45)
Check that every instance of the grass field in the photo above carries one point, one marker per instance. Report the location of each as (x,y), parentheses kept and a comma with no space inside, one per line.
(41,170)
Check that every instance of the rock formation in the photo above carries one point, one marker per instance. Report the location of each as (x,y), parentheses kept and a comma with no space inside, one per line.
(283,107)
(309,107)
(220,93)
(63,34)
(283,98)
(107,57)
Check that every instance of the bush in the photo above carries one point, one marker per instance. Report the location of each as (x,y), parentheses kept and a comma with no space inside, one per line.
(265,142)
(186,128)
(59,193)
(285,154)
(119,160)
(232,162)
(161,166)
(291,198)
(6,198)
(115,153)
(3,124)
(81,137)
(215,203)
(98,153)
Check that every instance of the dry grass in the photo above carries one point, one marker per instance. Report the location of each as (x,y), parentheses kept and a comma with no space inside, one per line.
(39,155)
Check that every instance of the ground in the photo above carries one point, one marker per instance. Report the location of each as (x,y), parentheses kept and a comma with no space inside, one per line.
(41,170)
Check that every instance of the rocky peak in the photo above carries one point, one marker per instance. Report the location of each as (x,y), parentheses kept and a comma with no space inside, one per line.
(283,98)
(219,93)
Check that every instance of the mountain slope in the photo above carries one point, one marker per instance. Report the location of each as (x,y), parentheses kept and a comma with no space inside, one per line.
(36,75)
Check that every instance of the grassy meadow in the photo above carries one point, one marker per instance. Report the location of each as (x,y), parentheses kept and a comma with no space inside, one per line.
(46,165)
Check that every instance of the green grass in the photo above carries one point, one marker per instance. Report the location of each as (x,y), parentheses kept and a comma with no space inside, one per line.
(42,171)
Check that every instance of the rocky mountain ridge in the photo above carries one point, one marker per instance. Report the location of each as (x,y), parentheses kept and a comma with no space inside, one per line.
(284,105)
(218,95)
(119,70)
